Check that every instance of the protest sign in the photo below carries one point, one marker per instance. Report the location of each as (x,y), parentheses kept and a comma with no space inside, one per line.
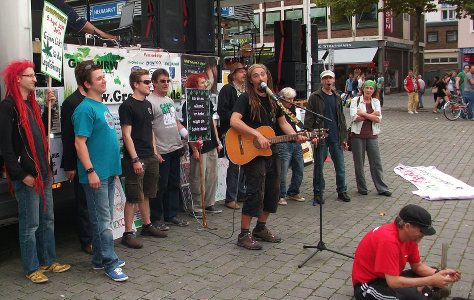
(198,114)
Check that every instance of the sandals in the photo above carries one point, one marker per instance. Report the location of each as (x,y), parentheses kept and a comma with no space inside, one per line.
(55,268)
(37,277)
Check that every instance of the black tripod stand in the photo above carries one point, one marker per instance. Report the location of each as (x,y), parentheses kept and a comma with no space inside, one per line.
(321,246)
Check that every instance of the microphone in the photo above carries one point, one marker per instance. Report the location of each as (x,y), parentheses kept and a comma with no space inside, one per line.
(266,89)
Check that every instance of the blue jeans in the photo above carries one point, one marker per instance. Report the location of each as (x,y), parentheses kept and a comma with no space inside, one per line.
(469,98)
(36,226)
(166,203)
(337,156)
(291,154)
(100,203)
(420,94)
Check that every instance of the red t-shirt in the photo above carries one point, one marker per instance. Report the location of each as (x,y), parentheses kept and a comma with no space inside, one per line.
(381,252)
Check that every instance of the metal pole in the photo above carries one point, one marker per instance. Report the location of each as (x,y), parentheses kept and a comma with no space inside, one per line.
(309,60)
(220,65)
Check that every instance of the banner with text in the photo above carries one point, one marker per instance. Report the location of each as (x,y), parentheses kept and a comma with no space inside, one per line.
(117,65)
(53,29)
(198,114)
(433,184)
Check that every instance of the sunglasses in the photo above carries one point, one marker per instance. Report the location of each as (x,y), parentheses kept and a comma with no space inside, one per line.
(147,82)
(88,67)
(165,80)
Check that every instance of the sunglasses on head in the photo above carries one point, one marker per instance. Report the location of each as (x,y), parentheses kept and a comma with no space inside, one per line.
(165,80)
(147,82)
(89,66)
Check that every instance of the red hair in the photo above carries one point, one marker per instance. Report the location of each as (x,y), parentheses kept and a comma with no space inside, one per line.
(11,74)
(193,79)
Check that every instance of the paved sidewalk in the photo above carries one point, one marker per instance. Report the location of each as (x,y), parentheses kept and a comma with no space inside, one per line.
(197,264)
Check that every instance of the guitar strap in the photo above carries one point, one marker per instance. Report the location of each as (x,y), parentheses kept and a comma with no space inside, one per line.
(290,115)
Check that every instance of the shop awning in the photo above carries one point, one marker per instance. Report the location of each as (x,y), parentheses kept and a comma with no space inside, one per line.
(351,56)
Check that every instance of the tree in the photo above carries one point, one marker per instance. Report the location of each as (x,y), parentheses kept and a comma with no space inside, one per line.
(415,8)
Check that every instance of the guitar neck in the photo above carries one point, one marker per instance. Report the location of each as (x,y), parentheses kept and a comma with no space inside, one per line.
(283,138)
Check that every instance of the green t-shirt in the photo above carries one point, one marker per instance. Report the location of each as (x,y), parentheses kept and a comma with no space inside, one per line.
(461,75)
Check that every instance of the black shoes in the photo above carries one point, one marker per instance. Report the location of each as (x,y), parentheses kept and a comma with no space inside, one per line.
(363,192)
(344,197)
(386,193)
(213,209)
(177,222)
(318,199)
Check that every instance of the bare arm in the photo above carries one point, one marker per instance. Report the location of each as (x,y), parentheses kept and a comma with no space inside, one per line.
(219,146)
(439,280)
(286,127)
(130,146)
(160,159)
(83,154)
(91,29)
(239,125)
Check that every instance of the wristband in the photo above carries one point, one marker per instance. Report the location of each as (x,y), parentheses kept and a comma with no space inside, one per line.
(219,143)
(89,171)
(183,132)
(136,159)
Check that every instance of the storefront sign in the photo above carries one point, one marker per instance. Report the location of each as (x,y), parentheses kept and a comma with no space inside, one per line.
(369,65)
(106,10)
(227,11)
(388,20)
(367,44)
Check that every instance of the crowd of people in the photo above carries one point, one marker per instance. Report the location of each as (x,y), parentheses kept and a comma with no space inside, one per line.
(154,140)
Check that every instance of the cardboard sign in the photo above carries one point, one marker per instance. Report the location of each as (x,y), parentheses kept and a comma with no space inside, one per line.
(198,114)
(53,29)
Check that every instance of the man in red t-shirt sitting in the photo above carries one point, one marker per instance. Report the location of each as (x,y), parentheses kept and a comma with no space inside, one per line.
(383,253)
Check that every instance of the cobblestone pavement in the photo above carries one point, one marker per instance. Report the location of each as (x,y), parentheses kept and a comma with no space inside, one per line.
(196,264)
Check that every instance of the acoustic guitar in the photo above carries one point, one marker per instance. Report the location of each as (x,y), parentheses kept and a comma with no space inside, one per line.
(242,148)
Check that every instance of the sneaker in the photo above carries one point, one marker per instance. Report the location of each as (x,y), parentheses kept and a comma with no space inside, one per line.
(266,235)
(232,204)
(416,112)
(37,277)
(295,197)
(248,242)
(131,241)
(121,263)
(55,268)
(318,199)
(117,274)
(177,222)
(363,192)
(410,112)
(282,201)
(213,209)
(87,249)
(386,193)
(153,231)
(160,225)
(344,197)
(241,199)
(196,214)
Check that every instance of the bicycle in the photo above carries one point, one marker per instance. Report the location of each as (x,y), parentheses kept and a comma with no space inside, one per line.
(454,108)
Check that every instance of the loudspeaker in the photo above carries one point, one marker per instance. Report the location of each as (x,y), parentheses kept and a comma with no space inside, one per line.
(163,24)
(291,31)
(314,42)
(293,74)
(316,69)
(199,26)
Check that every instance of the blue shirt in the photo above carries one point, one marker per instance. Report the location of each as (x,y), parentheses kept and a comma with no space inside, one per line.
(93,120)
(349,84)
(330,112)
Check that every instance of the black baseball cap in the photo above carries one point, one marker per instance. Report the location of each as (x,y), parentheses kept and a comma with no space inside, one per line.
(418,216)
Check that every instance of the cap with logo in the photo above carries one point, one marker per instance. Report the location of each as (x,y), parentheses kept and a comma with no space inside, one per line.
(418,216)
(327,73)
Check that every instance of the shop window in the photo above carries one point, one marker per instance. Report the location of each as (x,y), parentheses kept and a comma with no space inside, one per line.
(435,60)
(318,17)
(256,20)
(294,14)
(443,60)
(453,59)
(432,37)
(451,36)
(368,19)
(270,18)
(427,60)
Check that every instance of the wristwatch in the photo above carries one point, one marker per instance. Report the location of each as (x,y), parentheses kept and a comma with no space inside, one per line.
(91,170)
(136,159)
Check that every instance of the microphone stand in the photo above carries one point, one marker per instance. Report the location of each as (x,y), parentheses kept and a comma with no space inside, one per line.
(321,246)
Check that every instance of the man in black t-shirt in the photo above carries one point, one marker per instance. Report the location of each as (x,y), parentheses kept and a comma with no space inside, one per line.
(252,110)
(69,160)
(140,164)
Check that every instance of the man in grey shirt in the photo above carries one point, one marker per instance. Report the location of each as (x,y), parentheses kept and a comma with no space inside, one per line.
(469,92)
(168,132)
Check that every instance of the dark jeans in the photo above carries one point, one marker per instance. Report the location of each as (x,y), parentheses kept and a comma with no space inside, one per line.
(166,203)
(263,185)
(337,156)
(235,186)
(83,225)
(379,289)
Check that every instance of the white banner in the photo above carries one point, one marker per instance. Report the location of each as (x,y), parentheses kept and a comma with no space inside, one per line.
(52,40)
(433,184)
(117,65)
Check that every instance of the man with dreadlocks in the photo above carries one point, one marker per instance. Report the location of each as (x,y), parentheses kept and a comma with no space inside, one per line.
(252,110)
(25,149)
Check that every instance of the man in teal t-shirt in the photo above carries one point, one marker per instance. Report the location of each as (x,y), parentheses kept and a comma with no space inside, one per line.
(98,167)
(460,80)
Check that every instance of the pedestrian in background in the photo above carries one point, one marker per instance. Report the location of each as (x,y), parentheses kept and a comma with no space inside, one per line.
(412,86)
(348,88)
(380,87)
(421,91)
(442,92)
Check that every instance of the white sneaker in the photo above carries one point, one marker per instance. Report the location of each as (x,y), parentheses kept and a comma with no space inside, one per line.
(282,201)
(416,112)
(410,112)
